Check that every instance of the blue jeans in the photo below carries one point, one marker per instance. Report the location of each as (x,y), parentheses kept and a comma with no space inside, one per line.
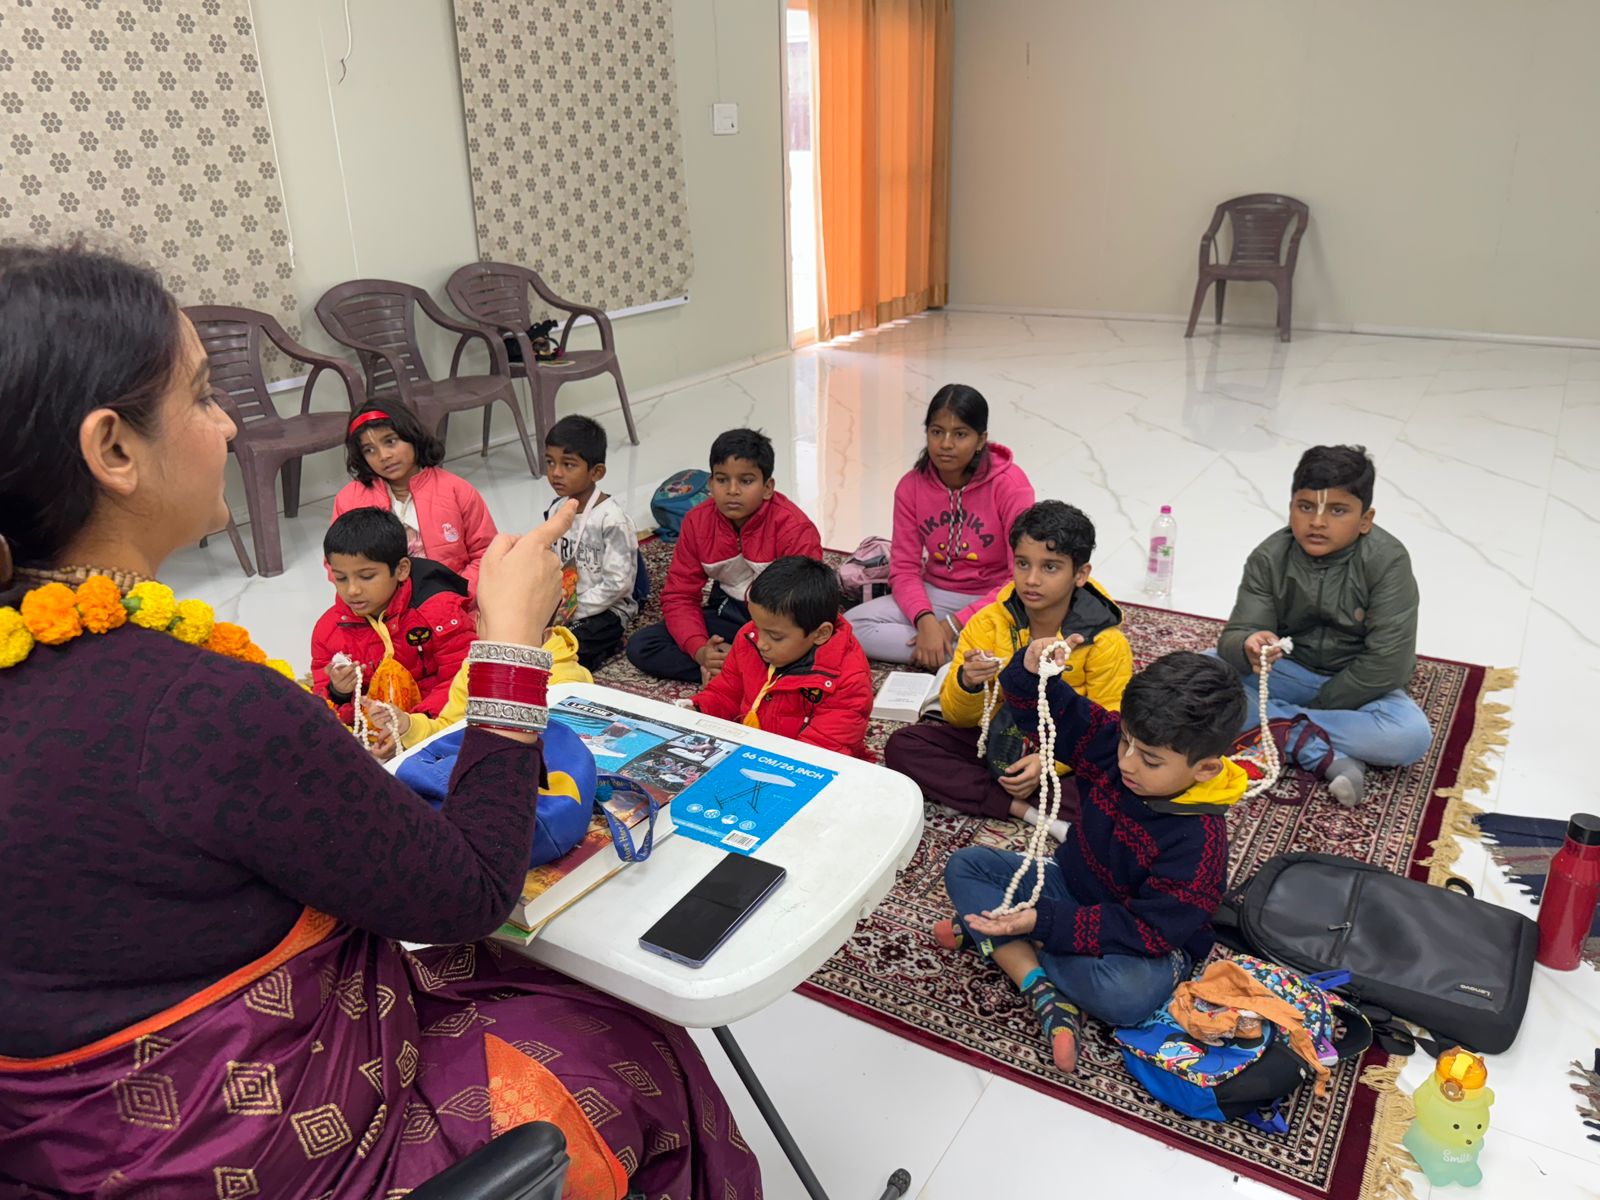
(1120,989)
(1390,731)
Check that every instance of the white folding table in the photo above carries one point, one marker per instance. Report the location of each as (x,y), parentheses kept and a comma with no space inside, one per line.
(841,852)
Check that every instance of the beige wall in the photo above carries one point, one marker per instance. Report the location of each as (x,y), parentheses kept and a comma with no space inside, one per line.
(375,174)
(1446,148)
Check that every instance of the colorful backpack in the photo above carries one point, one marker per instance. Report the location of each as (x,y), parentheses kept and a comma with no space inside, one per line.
(865,574)
(565,799)
(677,494)
(1249,1080)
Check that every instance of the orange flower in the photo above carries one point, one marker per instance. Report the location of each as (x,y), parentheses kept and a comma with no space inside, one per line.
(51,614)
(100,605)
(229,640)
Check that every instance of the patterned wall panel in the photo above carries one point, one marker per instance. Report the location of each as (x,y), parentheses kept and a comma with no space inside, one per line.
(144,123)
(574,140)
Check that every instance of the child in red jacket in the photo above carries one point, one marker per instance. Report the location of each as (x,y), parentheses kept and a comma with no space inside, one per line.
(389,605)
(728,539)
(796,668)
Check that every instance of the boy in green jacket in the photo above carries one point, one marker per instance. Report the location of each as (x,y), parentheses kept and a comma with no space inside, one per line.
(1343,590)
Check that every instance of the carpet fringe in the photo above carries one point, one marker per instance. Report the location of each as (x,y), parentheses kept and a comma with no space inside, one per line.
(1490,725)
(1388,1160)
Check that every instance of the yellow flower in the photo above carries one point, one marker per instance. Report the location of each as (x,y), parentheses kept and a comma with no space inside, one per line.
(195,622)
(281,667)
(51,614)
(15,640)
(151,605)
(100,605)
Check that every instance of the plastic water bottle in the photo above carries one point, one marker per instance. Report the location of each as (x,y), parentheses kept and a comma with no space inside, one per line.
(1163,545)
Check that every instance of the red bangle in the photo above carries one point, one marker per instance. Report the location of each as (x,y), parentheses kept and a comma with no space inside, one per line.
(503,681)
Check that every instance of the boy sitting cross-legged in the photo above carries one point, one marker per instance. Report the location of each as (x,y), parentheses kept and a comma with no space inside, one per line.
(796,669)
(1050,595)
(1127,904)
(728,539)
(389,605)
(1343,590)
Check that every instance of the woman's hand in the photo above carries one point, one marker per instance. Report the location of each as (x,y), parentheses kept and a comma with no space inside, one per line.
(519,584)
(932,645)
(1009,925)
(1059,653)
(1021,779)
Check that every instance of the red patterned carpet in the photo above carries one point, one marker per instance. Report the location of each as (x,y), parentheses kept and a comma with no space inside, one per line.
(892,975)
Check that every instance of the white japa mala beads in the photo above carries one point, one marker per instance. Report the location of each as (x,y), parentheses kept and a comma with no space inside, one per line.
(1052,662)
(1269,760)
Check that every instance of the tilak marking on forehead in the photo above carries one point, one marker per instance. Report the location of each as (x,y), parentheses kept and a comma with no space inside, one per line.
(1322,501)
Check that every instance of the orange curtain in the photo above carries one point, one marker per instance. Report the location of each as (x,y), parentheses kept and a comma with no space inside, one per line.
(881,108)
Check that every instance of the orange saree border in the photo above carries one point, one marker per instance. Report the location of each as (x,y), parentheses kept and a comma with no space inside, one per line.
(311,928)
(523,1090)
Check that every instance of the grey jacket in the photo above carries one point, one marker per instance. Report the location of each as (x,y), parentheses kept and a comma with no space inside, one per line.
(1352,614)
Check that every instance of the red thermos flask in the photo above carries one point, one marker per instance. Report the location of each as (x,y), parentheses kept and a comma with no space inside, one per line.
(1566,912)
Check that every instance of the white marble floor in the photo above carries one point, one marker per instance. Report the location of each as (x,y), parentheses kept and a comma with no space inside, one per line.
(1488,462)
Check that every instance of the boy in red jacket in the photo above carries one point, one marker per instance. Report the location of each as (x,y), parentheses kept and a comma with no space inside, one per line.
(796,669)
(729,539)
(389,605)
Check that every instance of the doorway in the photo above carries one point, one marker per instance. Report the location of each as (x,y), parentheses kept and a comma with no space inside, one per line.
(798,172)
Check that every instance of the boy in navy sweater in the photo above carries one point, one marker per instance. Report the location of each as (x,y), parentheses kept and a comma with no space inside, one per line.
(1127,904)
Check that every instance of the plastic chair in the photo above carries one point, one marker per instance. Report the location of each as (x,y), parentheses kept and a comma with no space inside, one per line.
(376,318)
(526,1163)
(495,295)
(232,530)
(267,444)
(1259,253)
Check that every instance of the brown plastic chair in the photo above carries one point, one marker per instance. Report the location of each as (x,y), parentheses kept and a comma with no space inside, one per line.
(495,295)
(376,318)
(1259,253)
(232,530)
(268,445)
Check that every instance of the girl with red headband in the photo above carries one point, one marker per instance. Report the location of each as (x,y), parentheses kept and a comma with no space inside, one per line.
(395,464)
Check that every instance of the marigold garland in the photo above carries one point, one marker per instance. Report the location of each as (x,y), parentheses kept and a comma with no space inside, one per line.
(53,614)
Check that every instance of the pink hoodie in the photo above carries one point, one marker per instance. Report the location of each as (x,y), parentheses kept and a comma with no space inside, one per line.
(454,521)
(925,511)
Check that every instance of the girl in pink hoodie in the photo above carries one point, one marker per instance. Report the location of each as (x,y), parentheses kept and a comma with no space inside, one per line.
(951,548)
(395,463)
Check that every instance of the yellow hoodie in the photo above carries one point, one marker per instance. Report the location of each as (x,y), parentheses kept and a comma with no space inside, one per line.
(563,647)
(1098,669)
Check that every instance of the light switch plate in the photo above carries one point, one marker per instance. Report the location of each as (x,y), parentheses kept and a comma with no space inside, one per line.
(724,119)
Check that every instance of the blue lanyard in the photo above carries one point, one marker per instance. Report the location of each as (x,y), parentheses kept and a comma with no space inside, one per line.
(621,836)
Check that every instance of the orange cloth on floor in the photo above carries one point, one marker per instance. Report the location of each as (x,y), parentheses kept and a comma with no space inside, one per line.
(1231,987)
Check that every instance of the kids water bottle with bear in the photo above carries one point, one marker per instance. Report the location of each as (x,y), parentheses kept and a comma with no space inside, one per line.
(1452,1118)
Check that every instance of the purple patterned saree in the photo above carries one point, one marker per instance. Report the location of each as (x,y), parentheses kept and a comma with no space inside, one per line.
(341,1066)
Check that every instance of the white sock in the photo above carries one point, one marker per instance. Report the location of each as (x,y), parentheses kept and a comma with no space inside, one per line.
(1031,817)
(1058,830)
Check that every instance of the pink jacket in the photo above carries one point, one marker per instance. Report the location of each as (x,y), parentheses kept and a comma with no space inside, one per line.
(454,521)
(925,512)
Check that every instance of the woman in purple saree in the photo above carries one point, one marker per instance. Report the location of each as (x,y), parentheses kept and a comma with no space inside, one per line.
(202,991)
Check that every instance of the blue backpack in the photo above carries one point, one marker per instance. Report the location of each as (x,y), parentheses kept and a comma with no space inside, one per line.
(677,494)
(641,580)
(1250,1080)
(566,799)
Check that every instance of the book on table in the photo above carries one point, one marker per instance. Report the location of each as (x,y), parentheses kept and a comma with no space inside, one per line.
(751,795)
(662,759)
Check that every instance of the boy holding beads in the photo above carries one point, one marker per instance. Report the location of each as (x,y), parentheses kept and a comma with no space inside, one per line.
(796,668)
(1343,590)
(728,540)
(389,605)
(1050,595)
(1126,904)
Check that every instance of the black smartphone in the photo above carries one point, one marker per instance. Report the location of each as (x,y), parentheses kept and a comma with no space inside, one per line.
(692,929)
